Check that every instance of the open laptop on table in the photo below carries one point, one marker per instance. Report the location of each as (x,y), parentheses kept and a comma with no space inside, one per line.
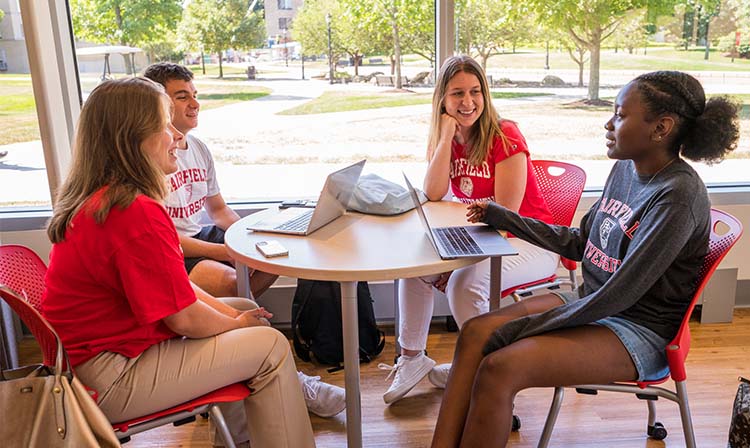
(332,203)
(462,241)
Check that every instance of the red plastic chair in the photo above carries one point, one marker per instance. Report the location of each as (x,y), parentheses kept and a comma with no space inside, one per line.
(677,350)
(561,185)
(21,285)
(23,271)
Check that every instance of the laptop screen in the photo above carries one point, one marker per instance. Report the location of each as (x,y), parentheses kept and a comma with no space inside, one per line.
(420,212)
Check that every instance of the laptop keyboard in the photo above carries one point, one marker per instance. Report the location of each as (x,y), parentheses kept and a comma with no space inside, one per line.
(298,224)
(457,241)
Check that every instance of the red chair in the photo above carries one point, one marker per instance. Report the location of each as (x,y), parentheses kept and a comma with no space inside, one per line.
(561,185)
(719,244)
(22,270)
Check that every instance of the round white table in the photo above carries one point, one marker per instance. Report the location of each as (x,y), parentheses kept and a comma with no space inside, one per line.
(352,248)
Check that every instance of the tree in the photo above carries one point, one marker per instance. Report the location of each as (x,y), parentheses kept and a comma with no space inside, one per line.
(311,30)
(480,27)
(419,33)
(218,25)
(309,26)
(633,31)
(395,23)
(487,27)
(588,22)
(141,23)
(355,27)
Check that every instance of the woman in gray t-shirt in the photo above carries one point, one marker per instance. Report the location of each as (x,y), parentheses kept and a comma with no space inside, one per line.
(641,246)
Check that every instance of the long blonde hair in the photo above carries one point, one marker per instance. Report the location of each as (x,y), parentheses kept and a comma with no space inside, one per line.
(484,130)
(115,120)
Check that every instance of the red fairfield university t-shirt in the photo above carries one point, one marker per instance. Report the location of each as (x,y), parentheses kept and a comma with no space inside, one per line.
(477,183)
(109,285)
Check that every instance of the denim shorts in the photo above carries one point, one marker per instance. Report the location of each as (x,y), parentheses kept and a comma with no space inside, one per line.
(646,348)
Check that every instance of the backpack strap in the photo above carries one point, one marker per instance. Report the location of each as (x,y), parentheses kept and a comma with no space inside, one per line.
(301,346)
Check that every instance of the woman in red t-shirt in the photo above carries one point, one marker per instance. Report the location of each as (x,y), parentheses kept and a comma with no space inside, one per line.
(118,294)
(479,157)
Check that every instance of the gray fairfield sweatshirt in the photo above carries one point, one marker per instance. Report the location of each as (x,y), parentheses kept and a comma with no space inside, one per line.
(641,246)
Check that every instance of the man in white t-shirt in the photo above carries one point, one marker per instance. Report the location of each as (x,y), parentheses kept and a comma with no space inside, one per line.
(194,188)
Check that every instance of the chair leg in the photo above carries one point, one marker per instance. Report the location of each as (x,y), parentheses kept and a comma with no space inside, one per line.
(687,422)
(221,426)
(396,317)
(554,411)
(573,280)
(651,412)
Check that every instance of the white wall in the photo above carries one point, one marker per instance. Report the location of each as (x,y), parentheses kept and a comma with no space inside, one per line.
(278,299)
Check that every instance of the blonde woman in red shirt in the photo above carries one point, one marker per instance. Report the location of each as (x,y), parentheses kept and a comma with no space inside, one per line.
(474,155)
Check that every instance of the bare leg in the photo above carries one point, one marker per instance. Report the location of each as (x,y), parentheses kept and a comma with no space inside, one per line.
(466,361)
(587,354)
(260,282)
(215,278)
(220,280)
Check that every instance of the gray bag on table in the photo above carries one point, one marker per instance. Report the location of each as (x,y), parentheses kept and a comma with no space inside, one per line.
(374,195)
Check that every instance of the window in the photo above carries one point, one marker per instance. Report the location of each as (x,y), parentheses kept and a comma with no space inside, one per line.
(284,145)
(22,164)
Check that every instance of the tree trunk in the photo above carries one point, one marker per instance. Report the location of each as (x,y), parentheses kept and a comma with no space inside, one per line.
(221,66)
(580,72)
(396,51)
(708,43)
(596,46)
(357,61)
(203,63)
(129,69)
(696,23)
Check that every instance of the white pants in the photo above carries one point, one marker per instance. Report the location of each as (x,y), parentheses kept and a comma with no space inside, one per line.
(468,290)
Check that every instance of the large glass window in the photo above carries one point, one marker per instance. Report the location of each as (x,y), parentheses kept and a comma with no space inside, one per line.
(22,169)
(277,123)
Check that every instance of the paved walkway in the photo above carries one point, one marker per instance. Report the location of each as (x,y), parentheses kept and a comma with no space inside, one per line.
(261,154)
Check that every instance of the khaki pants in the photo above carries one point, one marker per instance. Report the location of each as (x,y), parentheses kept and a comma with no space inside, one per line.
(180,369)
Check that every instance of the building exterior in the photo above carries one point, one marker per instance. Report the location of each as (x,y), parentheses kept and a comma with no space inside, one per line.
(13,58)
(279,16)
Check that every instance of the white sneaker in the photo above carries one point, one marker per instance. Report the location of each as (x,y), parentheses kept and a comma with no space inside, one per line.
(439,375)
(408,372)
(322,399)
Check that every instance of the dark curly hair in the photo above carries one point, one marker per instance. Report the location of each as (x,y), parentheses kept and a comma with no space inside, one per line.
(162,72)
(705,131)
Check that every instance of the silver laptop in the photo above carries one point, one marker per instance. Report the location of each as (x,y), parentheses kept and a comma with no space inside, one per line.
(462,241)
(332,203)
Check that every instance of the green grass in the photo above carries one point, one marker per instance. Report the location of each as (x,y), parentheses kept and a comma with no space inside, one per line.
(656,58)
(346,101)
(212,71)
(19,123)
(514,95)
(212,96)
(18,120)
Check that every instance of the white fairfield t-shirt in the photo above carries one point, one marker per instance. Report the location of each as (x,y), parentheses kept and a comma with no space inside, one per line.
(194,181)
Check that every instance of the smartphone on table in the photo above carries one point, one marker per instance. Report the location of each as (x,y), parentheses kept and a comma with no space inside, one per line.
(271,248)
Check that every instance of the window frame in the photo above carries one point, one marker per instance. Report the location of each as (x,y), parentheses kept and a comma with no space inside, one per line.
(50,42)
